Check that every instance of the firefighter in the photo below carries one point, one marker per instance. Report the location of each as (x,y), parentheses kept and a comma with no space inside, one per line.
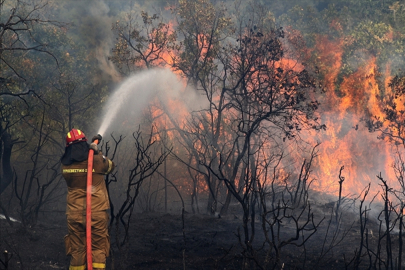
(74,171)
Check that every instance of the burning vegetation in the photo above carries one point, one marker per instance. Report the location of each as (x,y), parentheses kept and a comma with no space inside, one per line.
(284,121)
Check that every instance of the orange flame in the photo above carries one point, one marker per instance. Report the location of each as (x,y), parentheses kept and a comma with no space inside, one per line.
(346,142)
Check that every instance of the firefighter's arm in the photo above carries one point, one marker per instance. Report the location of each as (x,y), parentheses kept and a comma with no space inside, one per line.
(108,165)
(111,166)
(95,148)
(94,141)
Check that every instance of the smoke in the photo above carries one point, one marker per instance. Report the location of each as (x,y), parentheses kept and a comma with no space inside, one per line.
(91,23)
(100,12)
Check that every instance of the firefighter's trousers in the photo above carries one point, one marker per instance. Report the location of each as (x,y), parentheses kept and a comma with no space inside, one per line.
(75,241)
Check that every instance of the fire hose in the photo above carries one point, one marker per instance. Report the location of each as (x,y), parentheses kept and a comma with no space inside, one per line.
(88,207)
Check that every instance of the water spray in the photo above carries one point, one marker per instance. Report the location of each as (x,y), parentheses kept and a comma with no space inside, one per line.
(135,93)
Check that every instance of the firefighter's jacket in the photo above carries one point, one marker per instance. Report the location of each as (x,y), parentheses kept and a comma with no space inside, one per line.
(75,175)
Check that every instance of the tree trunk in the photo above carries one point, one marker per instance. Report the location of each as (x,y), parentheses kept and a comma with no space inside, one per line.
(212,200)
(225,207)
(7,175)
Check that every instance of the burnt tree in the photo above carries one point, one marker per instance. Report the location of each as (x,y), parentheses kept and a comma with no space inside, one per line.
(17,38)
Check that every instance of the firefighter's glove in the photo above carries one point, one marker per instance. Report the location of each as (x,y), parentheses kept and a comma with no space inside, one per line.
(94,147)
(97,137)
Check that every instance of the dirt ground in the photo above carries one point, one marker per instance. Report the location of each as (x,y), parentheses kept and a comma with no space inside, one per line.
(156,241)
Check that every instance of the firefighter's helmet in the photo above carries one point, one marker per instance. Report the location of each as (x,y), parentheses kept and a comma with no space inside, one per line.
(74,136)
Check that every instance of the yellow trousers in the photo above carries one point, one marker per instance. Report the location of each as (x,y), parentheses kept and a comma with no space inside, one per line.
(75,241)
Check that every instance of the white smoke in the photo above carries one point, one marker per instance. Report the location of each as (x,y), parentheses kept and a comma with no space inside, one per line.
(99,10)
